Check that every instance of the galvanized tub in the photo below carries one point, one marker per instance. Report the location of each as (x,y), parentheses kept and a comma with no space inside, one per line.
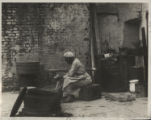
(41,102)
(28,73)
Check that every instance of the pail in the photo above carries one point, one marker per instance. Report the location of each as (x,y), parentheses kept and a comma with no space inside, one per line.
(27,67)
(27,73)
(40,102)
(132,85)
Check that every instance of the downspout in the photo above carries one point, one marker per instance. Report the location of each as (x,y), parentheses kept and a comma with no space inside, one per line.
(144,38)
(92,39)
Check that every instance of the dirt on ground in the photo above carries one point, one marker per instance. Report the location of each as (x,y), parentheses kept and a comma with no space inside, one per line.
(96,108)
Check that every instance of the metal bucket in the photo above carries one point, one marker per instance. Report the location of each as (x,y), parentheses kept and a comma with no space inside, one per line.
(28,73)
(39,102)
(27,67)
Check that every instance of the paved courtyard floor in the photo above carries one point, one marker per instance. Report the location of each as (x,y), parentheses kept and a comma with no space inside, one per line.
(96,108)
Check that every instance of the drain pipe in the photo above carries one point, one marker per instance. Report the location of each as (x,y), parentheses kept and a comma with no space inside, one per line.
(92,33)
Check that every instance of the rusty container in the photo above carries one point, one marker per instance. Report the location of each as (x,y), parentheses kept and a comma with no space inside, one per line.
(42,103)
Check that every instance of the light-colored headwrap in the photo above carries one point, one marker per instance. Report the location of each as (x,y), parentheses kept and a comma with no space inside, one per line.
(69,54)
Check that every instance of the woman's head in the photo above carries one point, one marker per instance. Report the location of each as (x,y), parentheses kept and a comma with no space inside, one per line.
(69,57)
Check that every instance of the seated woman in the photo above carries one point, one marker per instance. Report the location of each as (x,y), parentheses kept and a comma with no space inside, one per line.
(75,78)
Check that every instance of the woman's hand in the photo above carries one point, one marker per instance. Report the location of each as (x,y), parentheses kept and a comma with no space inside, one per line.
(66,75)
(56,76)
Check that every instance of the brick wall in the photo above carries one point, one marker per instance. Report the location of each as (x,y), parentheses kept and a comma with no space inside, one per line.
(10,34)
(67,29)
(42,32)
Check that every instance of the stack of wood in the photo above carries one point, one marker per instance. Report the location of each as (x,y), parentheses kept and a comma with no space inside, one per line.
(113,77)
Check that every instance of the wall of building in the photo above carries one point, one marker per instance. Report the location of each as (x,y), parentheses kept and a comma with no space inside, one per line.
(42,32)
(67,29)
(119,25)
(111,19)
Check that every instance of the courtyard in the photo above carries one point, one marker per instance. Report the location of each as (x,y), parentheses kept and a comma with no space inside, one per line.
(96,108)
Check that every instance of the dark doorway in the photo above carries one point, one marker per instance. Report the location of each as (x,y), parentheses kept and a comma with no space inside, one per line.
(131,33)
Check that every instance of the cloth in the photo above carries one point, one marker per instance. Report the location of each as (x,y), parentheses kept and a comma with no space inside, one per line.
(75,79)
(69,54)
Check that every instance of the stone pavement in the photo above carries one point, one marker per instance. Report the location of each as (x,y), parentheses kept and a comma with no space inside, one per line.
(96,108)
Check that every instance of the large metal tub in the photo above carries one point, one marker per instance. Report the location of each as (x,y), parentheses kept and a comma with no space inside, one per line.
(28,73)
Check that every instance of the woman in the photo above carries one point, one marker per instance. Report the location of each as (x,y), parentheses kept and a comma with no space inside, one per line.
(75,78)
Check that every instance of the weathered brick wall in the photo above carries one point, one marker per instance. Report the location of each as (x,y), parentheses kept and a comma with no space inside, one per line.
(42,32)
(19,38)
(67,29)
(10,34)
